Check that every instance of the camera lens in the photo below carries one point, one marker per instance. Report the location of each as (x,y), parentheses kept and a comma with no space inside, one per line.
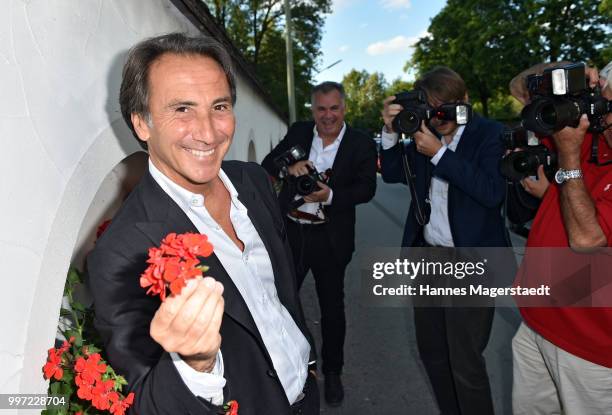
(520,164)
(565,112)
(407,122)
(526,163)
(305,185)
(547,115)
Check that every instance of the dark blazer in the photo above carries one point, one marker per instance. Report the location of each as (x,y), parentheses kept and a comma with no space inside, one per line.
(476,187)
(353,180)
(124,312)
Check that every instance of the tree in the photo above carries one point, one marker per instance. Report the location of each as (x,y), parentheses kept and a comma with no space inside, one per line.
(398,85)
(365,93)
(257,28)
(489,41)
(364,96)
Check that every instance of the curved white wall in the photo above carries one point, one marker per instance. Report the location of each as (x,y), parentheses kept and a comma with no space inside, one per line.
(62,133)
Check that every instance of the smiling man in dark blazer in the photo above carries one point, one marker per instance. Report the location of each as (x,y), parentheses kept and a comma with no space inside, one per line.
(239,334)
(459,181)
(322,230)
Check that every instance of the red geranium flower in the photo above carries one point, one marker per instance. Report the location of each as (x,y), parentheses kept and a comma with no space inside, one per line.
(53,367)
(119,406)
(89,370)
(84,377)
(101,392)
(175,262)
(231,407)
(85,390)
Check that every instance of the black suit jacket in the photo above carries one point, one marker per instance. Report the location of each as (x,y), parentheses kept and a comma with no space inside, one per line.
(353,180)
(476,188)
(124,312)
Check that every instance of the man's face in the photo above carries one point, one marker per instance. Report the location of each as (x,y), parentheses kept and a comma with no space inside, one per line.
(443,127)
(192,120)
(328,113)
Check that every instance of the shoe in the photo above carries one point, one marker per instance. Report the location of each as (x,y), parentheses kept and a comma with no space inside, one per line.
(334,392)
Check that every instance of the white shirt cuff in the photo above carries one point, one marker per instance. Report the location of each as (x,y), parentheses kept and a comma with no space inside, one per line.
(388,140)
(206,385)
(436,158)
(329,198)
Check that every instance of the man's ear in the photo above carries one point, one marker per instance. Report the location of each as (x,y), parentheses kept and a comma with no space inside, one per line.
(466,98)
(141,127)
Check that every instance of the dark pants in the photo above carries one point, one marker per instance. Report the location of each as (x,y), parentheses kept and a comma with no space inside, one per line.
(312,250)
(451,341)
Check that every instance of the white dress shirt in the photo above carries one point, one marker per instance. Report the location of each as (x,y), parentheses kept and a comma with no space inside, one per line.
(437,231)
(322,158)
(251,271)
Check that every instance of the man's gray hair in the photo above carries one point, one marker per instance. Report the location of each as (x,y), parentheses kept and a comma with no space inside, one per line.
(325,88)
(134,92)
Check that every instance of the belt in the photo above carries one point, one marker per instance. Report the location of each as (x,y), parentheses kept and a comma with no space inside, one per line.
(428,245)
(304,217)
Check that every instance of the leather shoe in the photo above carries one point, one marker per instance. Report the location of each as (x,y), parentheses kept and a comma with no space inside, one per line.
(334,392)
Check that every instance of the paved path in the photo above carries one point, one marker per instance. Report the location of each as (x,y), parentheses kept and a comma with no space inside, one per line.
(383,374)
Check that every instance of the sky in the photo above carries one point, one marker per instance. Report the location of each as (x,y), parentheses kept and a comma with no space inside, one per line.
(375,35)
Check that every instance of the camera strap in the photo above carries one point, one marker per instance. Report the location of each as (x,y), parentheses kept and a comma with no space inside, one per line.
(421,217)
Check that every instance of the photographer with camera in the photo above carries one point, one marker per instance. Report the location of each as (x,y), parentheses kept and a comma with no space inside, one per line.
(452,165)
(563,356)
(537,183)
(321,216)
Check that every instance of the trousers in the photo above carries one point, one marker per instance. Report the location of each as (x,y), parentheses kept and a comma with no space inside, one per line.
(550,381)
(312,250)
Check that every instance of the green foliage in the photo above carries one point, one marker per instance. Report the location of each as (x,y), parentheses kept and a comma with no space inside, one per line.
(605,8)
(82,341)
(365,93)
(502,107)
(257,28)
(364,96)
(488,42)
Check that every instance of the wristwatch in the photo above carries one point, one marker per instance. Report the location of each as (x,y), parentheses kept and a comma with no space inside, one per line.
(563,175)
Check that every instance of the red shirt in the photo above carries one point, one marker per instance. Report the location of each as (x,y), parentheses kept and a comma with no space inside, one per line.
(583,332)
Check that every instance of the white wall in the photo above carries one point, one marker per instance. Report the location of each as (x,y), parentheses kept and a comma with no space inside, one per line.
(61,134)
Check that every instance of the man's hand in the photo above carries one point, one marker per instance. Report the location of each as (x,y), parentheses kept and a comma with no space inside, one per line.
(593,75)
(300,168)
(426,141)
(389,112)
(569,142)
(538,187)
(320,195)
(188,324)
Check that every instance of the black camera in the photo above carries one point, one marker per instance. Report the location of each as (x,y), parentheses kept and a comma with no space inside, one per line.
(515,138)
(565,80)
(559,97)
(519,137)
(304,185)
(307,183)
(520,164)
(416,109)
(289,157)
